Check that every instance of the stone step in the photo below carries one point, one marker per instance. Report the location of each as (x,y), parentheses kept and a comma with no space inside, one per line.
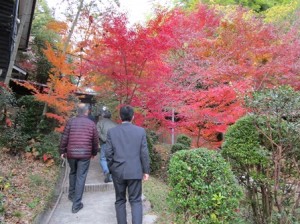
(93,187)
(94,181)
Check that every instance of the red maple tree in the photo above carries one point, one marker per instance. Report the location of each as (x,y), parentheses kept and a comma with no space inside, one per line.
(201,62)
(128,64)
(218,61)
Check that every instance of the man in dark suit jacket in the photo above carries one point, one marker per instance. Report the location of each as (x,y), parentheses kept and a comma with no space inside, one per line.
(128,161)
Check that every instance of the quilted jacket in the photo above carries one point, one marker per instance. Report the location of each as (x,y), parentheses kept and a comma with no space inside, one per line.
(80,138)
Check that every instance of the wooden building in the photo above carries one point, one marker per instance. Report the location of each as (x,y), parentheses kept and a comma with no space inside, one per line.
(15,24)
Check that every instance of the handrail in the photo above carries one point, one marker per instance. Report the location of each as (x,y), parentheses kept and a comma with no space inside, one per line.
(61,190)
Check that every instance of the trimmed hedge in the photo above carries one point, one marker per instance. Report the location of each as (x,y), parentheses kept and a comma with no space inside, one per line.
(155,158)
(183,142)
(178,147)
(203,188)
(243,144)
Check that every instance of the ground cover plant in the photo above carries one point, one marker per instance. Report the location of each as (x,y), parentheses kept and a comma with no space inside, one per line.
(156,191)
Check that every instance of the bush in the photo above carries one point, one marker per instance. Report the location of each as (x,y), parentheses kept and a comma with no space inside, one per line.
(7,100)
(264,151)
(242,144)
(155,158)
(153,136)
(203,188)
(184,140)
(177,147)
(13,139)
(48,144)
(29,115)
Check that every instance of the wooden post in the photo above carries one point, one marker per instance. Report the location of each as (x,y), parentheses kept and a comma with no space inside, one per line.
(25,14)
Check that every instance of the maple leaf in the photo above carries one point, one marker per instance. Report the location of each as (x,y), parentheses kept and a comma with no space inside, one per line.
(45,157)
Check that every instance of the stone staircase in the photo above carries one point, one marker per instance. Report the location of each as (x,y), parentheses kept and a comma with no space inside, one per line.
(95,178)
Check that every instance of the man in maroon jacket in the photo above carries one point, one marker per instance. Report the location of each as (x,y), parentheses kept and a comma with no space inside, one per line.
(79,143)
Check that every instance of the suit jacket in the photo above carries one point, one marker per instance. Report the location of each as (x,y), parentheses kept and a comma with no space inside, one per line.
(127,152)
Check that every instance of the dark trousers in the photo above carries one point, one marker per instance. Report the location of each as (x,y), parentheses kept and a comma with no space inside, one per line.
(134,188)
(78,172)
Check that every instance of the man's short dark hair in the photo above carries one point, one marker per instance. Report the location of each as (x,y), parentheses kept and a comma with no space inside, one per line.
(126,113)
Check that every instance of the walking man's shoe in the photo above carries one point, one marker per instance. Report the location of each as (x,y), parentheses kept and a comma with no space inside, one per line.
(75,210)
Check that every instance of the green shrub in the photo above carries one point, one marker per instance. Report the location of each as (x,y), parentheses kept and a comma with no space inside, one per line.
(203,188)
(30,114)
(264,152)
(184,140)
(153,136)
(47,125)
(155,158)
(7,99)
(27,124)
(177,147)
(242,144)
(13,139)
(30,117)
(48,144)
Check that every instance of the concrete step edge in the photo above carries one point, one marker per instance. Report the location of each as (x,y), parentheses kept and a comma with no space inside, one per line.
(93,187)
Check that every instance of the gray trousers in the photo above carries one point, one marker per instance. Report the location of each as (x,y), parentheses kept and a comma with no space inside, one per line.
(134,188)
(78,172)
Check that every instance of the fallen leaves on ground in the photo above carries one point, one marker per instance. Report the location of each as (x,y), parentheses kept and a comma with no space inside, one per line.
(26,186)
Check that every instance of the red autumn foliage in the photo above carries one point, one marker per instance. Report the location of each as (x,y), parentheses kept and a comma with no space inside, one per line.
(218,61)
(128,62)
(59,87)
(8,122)
(201,63)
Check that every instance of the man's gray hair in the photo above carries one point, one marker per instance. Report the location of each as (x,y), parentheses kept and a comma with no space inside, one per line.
(106,114)
(82,109)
